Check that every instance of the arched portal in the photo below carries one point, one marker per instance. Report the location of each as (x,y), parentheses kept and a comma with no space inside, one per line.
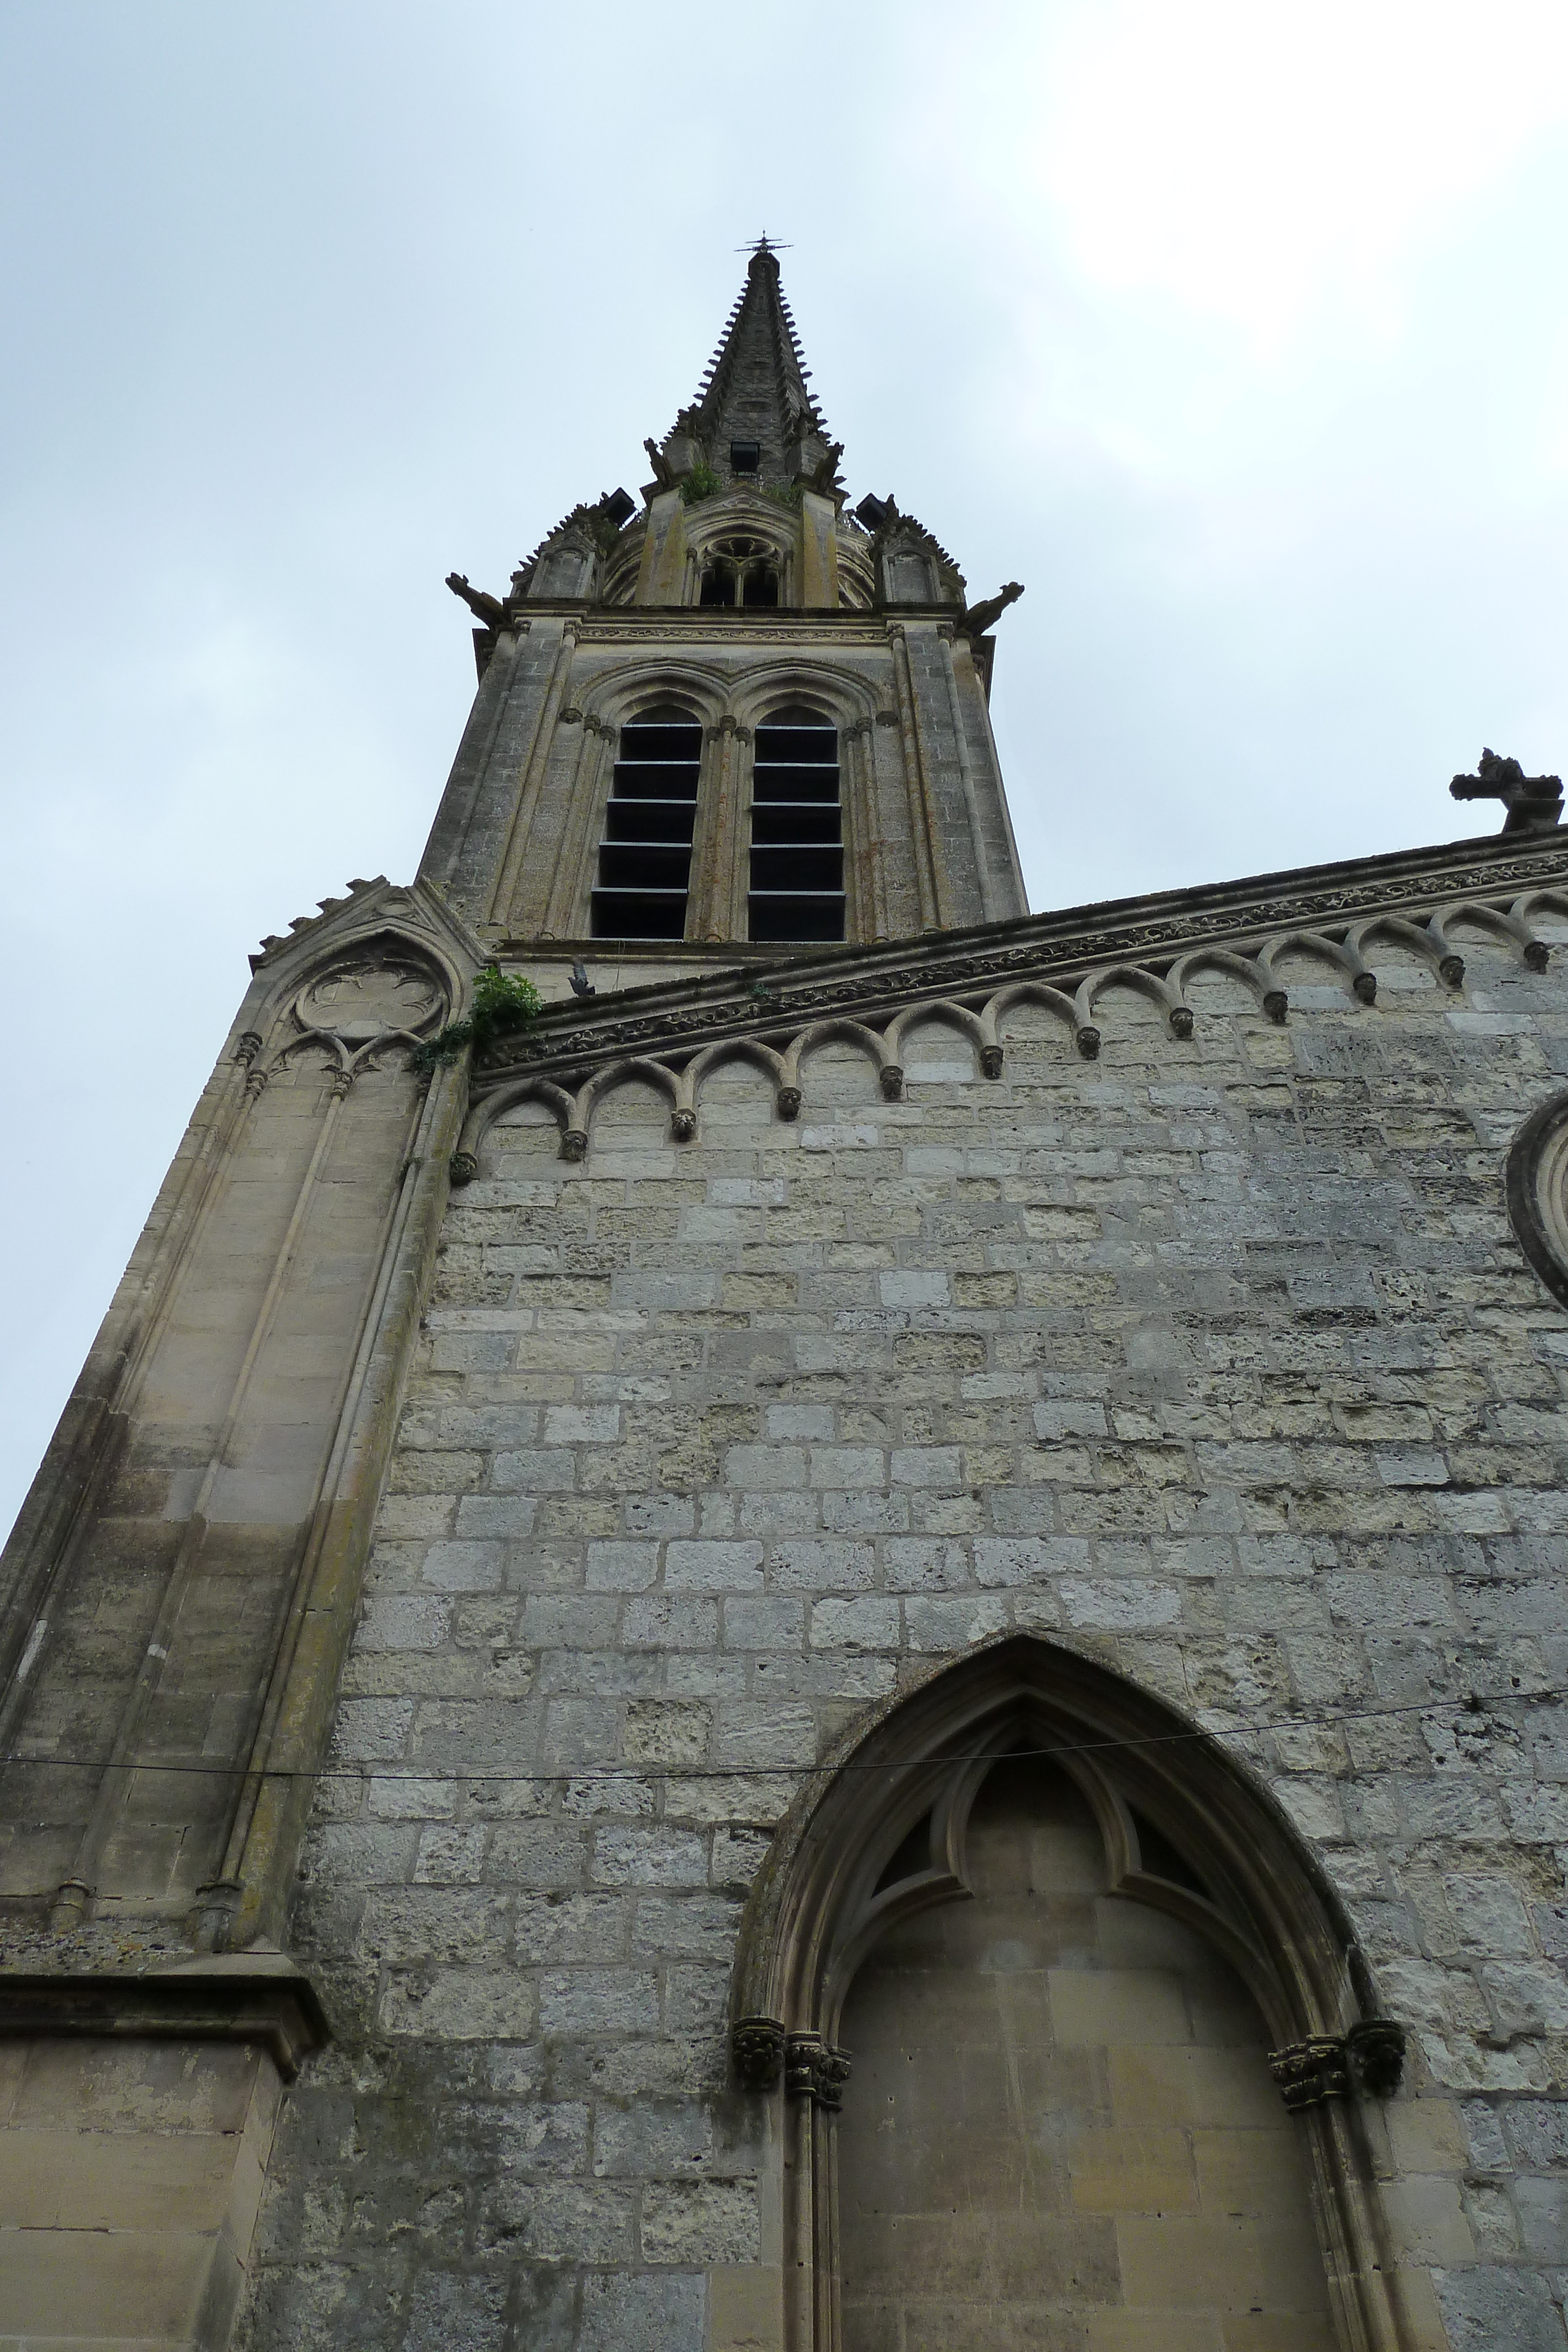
(1101,1989)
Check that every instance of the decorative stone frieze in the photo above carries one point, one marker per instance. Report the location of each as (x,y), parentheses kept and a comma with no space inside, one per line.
(777,1020)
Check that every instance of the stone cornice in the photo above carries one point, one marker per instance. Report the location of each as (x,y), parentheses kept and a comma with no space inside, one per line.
(238,1998)
(1061,947)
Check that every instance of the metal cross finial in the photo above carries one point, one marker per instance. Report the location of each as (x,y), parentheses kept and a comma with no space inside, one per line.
(764,243)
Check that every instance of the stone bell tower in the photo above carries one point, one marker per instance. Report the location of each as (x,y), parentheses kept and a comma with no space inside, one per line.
(740,718)
(729,725)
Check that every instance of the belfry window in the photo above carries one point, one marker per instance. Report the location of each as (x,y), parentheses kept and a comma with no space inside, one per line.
(745,456)
(797,831)
(740,571)
(645,855)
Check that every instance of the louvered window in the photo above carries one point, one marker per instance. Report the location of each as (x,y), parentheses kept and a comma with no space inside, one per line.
(645,855)
(797,833)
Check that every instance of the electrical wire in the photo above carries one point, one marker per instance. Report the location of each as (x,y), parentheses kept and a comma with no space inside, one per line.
(1473,1704)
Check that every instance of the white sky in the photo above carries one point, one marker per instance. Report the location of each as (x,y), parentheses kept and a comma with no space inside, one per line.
(1238,331)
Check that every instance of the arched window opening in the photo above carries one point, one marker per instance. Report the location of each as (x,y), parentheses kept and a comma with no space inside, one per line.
(797,830)
(1058,2095)
(740,571)
(1061,2019)
(645,854)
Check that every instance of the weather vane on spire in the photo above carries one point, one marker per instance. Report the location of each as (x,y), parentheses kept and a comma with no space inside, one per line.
(764,243)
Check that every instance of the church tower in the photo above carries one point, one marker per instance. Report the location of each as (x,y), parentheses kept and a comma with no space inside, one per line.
(738,718)
(786,1612)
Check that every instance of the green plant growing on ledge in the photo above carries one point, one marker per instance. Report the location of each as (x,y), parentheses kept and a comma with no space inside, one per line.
(701,482)
(502,1001)
(784,494)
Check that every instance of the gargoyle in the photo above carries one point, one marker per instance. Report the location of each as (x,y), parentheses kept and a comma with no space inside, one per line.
(664,473)
(980,617)
(1534,803)
(489,609)
(825,474)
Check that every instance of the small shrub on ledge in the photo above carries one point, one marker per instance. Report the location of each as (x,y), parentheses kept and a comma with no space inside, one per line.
(502,1001)
(701,482)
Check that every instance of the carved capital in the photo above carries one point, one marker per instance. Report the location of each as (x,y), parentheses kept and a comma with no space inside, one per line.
(1369,2059)
(814,2070)
(991,1061)
(757,2046)
(892,1077)
(788,1102)
(462,1169)
(1181,1020)
(1308,2073)
(683,1125)
(1087,1040)
(570,717)
(887,717)
(573,1143)
(1377,2047)
(248,1047)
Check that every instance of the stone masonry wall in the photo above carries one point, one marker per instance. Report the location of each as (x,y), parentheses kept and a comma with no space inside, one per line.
(1218,1359)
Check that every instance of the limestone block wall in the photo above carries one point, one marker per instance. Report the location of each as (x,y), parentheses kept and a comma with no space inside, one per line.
(130,2171)
(1216,1360)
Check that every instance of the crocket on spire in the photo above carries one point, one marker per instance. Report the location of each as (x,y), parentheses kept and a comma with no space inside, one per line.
(754,417)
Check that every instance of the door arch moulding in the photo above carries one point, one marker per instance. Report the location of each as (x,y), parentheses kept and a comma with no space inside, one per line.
(880,1835)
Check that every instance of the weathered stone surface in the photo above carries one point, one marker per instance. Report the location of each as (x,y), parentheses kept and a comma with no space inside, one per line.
(1169,1313)
(1180,1438)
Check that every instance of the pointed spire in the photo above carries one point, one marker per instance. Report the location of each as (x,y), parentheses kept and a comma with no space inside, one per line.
(754,391)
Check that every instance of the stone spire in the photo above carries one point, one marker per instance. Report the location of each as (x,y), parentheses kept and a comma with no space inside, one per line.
(753,392)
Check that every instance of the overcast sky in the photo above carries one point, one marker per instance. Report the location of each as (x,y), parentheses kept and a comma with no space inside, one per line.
(1237,330)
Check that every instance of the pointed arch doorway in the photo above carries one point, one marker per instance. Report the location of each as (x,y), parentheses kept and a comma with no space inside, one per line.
(1073,2036)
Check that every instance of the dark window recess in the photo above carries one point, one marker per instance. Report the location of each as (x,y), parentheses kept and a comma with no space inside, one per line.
(1161,1859)
(718,584)
(762,587)
(645,855)
(745,456)
(797,836)
(912,1854)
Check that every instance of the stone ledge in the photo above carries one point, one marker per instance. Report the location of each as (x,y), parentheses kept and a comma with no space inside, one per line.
(247,1997)
(869,980)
